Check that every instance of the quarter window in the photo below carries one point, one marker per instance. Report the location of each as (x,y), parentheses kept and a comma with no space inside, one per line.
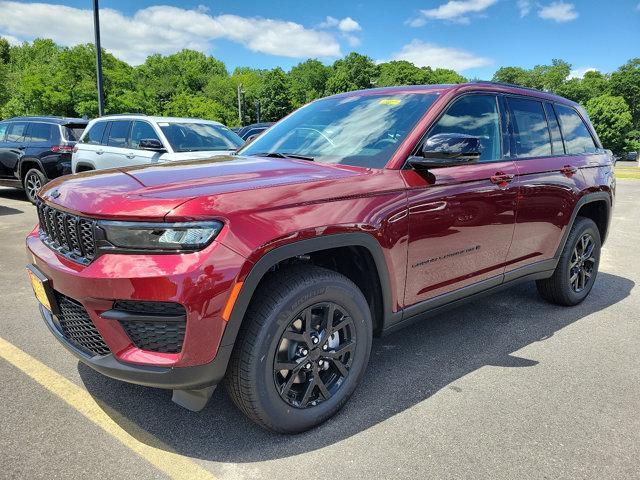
(577,138)
(142,131)
(3,131)
(530,129)
(475,115)
(119,134)
(556,137)
(95,133)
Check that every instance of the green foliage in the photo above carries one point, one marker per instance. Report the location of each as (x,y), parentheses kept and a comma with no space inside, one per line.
(353,72)
(612,120)
(42,78)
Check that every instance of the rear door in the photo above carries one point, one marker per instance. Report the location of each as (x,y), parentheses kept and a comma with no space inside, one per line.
(90,148)
(3,147)
(549,181)
(116,149)
(461,218)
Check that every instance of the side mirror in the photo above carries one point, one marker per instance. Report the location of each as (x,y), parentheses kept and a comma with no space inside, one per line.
(447,150)
(152,144)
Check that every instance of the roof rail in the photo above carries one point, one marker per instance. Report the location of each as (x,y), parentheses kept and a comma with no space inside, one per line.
(505,84)
(124,114)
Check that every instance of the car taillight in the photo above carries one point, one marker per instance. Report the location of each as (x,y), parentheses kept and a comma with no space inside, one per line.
(62,148)
(75,149)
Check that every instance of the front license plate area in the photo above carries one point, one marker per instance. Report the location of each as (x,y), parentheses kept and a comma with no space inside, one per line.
(42,289)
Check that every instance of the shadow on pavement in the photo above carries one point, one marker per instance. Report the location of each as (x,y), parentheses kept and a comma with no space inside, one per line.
(14,194)
(8,211)
(406,368)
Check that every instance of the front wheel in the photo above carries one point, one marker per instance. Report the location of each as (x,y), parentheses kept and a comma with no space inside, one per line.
(33,182)
(577,267)
(303,348)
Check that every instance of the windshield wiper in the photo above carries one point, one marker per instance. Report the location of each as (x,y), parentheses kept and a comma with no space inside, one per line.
(283,155)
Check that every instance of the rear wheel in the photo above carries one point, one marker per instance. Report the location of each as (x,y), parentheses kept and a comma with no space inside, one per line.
(577,267)
(33,181)
(302,351)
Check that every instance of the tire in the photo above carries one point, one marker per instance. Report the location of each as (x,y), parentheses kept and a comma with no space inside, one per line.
(32,182)
(274,315)
(560,288)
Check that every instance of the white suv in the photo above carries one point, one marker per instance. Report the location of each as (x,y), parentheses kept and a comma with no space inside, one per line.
(119,140)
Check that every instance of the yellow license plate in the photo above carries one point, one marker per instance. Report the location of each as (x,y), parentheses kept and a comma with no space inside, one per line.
(38,289)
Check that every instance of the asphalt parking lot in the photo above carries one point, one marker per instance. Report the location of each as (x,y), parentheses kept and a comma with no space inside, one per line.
(506,387)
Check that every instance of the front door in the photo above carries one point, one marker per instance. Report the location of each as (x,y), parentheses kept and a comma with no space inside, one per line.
(461,218)
(142,131)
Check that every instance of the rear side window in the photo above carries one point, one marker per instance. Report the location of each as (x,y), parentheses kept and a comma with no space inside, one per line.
(16,131)
(556,137)
(43,133)
(3,131)
(475,115)
(95,133)
(119,134)
(577,138)
(530,129)
(142,131)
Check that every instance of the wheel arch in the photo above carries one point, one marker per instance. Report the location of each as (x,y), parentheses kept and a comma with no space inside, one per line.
(308,247)
(595,205)
(26,163)
(83,166)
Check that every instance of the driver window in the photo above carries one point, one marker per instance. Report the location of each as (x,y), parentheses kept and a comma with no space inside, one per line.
(475,115)
(142,131)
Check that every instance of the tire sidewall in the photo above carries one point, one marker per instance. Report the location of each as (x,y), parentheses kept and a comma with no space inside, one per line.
(37,173)
(287,417)
(583,225)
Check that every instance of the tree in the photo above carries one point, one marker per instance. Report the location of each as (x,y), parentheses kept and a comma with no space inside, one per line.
(625,82)
(400,72)
(612,120)
(441,76)
(275,96)
(353,72)
(251,80)
(513,75)
(308,81)
(186,104)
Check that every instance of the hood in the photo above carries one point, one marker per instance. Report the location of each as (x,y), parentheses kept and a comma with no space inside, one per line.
(153,191)
(175,156)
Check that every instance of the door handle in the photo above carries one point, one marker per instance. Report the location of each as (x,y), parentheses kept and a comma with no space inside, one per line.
(99,152)
(22,147)
(130,155)
(568,170)
(501,179)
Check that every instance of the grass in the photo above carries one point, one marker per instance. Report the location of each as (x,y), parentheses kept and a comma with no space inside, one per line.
(628,172)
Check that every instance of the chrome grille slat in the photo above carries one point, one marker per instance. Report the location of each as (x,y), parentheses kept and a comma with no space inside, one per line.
(67,234)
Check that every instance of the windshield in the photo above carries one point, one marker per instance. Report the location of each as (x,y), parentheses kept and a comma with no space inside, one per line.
(195,137)
(363,130)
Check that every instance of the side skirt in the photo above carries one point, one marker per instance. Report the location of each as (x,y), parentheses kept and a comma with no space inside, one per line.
(447,301)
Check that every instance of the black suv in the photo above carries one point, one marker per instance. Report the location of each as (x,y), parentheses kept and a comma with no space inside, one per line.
(33,150)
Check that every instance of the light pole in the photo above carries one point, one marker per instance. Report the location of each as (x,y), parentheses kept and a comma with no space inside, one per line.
(96,28)
(240,92)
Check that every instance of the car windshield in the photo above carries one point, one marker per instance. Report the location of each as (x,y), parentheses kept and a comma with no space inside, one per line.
(361,130)
(196,137)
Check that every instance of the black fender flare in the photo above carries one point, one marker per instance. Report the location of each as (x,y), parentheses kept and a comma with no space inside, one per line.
(584,200)
(302,247)
(83,164)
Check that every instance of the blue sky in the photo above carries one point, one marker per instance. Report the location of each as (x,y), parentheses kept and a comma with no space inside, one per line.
(474,37)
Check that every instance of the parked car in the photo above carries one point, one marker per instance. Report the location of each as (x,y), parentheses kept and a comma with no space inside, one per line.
(250,132)
(356,215)
(120,140)
(34,150)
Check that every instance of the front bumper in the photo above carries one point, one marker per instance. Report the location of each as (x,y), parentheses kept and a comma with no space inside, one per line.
(180,378)
(200,281)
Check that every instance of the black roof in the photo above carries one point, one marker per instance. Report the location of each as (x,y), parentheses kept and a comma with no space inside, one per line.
(56,120)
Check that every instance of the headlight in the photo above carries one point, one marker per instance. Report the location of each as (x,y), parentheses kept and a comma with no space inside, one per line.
(159,236)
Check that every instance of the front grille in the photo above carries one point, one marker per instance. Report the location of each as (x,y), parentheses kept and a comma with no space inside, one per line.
(77,327)
(157,336)
(68,234)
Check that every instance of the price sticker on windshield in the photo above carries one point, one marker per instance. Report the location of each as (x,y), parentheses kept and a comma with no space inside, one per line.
(390,101)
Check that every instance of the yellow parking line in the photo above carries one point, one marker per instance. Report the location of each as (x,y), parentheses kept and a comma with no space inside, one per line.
(153,450)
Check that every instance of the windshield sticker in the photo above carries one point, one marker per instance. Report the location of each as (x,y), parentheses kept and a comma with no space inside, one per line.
(390,101)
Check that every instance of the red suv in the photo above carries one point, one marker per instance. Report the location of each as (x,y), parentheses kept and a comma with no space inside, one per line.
(355,215)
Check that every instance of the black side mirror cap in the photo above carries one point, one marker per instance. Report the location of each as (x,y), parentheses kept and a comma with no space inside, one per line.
(152,144)
(447,150)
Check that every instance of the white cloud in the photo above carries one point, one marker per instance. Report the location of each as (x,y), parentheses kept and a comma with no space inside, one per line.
(11,39)
(524,6)
(329,22)
(348,24)
(579,72)
(352,40)
(558,12)
(163,29)
(428,54)
(455,10)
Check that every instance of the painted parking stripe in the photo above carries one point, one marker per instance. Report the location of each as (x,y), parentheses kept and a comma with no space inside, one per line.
(153,450)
